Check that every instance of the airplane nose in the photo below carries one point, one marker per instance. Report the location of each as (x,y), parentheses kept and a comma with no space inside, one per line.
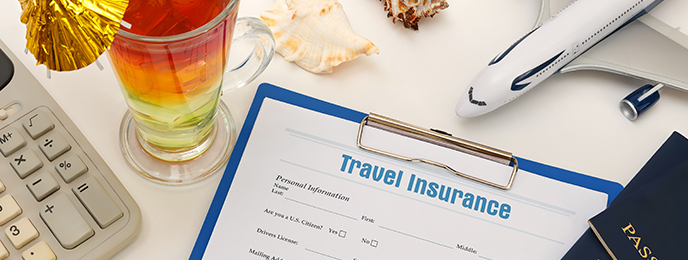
(488,91)
(469,107)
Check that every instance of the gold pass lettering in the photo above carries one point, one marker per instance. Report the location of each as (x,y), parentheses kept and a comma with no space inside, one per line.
(644,251)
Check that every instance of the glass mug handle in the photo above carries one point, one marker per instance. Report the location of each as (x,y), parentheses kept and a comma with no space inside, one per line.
(249,29)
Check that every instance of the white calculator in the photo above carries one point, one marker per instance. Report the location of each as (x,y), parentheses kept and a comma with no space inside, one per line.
(58,198)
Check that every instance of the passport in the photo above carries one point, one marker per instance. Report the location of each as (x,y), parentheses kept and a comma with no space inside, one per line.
(670,154)
(649,223)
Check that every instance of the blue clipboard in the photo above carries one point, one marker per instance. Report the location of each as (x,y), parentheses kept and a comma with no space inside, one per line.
(266,90)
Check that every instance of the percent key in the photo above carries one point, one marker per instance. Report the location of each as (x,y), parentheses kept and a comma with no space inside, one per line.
(71,168)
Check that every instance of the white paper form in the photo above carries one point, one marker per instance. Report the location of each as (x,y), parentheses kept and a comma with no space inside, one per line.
(298,193)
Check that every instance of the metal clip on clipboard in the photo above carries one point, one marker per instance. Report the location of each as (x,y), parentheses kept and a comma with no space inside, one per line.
(441,139)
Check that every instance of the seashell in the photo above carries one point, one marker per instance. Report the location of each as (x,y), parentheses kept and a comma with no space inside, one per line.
(315,34)
(409,12)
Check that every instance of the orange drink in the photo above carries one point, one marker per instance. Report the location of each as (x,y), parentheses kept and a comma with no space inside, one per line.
(172,88)
(169,58)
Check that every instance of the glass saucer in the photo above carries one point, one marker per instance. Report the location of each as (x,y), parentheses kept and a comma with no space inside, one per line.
(184,172)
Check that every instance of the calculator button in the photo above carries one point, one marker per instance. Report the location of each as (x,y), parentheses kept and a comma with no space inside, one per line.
(53,145)
(2,187)
(4,254)
(42,185)
(37,124)
(39,251)
(97,202)
(64,220)
(71,168)
(9,209)
(10,141)
(26,163)
(21,233)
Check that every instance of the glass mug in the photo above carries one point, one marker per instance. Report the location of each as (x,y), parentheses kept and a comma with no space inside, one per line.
(171,66)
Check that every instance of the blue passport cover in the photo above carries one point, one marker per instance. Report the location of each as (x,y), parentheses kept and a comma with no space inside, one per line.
(647,224)
(669,155)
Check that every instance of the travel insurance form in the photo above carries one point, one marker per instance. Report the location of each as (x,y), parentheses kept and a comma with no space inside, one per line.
(303,190)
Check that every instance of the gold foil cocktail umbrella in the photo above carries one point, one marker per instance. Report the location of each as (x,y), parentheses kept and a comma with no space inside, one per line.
(68,35)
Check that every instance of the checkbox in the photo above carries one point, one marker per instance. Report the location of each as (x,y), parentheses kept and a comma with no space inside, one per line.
(373,243)
(342,233)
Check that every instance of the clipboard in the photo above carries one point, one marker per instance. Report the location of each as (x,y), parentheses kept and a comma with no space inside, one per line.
(611,189)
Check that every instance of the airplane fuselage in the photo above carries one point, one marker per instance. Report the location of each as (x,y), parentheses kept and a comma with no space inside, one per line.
(546,49)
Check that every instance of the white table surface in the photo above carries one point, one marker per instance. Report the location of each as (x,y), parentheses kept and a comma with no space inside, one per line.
(571,120)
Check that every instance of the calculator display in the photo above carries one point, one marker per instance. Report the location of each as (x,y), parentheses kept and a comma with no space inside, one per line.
(6,70)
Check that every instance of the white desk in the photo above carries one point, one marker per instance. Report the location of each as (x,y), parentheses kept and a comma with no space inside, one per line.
(570,121)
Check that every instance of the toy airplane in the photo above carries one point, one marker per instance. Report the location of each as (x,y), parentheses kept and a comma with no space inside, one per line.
(626,41)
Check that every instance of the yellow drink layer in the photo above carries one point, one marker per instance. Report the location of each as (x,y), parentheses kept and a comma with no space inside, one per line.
(169,123)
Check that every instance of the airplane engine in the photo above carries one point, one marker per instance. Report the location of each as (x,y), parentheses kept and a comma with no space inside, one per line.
(639,101)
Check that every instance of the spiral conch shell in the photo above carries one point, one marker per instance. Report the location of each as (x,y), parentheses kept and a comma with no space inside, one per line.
(409,12)
(315,34)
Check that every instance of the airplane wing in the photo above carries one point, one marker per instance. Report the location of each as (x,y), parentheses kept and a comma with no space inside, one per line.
(647,49)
